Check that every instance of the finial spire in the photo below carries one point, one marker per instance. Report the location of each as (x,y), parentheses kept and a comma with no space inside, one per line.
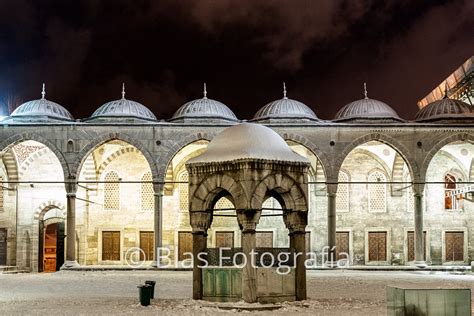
(445,90)
(205,91)
(365,91)
(43,92)
(284,91)
(123,90)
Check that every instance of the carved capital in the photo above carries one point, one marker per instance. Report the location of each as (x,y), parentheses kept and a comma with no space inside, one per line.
(71,185)
(248,219)
(296,221)
(200,221)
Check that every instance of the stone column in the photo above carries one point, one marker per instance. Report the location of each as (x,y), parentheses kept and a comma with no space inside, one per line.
(332,193)
(248,220)
(200,222)
(71,189)
(419,238)
(157,221)
(300,247)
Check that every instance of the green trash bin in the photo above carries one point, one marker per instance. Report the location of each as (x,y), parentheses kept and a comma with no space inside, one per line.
(144,294)
(152,284)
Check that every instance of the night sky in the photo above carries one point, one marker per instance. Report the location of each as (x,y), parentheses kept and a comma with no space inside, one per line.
(244,50)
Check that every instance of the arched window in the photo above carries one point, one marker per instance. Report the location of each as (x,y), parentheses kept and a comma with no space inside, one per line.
(1,193)
(343,192)
(111,191)
(147,192)
(377,192)
(183,192)
(452,201)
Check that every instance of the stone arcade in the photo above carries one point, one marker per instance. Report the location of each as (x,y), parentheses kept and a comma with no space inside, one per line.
(385,190)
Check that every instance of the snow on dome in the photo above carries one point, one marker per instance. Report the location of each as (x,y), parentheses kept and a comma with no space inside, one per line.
(42,109)
(445,109)
(285,108)
(248,141)
(204,108)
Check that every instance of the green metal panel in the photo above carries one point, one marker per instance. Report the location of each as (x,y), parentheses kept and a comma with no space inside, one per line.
(455,302)
(222,284)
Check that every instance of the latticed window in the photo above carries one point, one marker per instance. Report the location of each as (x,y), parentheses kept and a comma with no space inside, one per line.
(377,192)
(111,191)
(1,193)
(410,196)
(147,192)
(224,203)
(183,192)
(342,198)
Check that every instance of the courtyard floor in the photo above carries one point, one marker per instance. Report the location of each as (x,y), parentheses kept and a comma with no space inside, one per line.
(333,292)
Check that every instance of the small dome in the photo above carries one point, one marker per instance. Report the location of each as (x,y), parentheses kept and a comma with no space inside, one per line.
(248,141)
(42,109)
(445,109)
(285,108)
(367,109)
(124,108)
(204,108)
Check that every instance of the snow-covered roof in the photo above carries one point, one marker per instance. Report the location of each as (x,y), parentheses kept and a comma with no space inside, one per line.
(248,141)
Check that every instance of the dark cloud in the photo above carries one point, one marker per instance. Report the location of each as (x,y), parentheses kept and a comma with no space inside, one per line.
(165,50)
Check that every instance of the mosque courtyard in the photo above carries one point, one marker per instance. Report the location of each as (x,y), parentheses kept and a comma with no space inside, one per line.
(330,292)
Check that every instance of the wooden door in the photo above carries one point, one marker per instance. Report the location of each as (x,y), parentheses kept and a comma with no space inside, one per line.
(454,246)
(50,247)
(147,242)
(411,246)
(224,239)
(111,246)
(377,246)
(185,244)
(60,236)
(342,244)
(3,246)
(264,239)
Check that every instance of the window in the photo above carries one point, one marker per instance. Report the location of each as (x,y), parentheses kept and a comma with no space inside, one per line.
(147,192)
(224,239)
(1,193)
(111,191)
(342,198)
(183,189)
(224,203)
(377,192)
(452,201)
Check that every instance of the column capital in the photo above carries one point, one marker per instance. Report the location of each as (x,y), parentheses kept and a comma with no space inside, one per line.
(248,219)
(71,185)
(200,221)
(296,221)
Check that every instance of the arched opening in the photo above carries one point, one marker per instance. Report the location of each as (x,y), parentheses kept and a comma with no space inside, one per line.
(32,173)
(449,193)
(374,216)
(114,205)
(51,240)
(176,232)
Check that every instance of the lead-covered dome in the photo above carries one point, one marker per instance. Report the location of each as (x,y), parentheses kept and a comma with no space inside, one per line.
(204,108)
(41,110)
(248,141)
(367,110)
(285,109)
(445,109)
(123,109)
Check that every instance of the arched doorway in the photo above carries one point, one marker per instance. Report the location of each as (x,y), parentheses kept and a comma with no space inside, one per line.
(51,241)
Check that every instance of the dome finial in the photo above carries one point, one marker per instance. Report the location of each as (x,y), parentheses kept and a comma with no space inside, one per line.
(43,92)
(365,91)
(445,90)
(123,91)
(284,91)
(205,91)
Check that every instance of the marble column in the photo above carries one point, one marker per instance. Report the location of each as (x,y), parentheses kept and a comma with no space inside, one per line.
(71,189)
(157,221)
(331,260)
(299,239)
(199,245)
(419,236)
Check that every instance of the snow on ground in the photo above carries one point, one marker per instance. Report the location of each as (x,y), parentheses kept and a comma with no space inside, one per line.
(335,292)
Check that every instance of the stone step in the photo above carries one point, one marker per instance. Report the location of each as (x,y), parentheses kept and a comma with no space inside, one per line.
(11,270)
